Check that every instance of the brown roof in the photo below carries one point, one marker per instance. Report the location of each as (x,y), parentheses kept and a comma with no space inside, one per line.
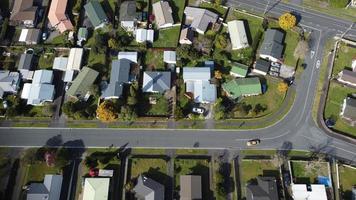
(190,187)
(23,10)
(348,76)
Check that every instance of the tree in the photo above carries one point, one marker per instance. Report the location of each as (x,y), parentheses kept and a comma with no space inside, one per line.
(106,112)
(219,109)
(287,21)
(301,49)
(282,87)
(4,29)
(217,74)
(113,44)
(127,113)
(221,41)
(62,158)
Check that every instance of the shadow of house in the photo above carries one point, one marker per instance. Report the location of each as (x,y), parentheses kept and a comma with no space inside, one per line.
(204,172)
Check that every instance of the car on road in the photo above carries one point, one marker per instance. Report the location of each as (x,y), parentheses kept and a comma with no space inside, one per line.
(318,64)
(198,110)
(253,142)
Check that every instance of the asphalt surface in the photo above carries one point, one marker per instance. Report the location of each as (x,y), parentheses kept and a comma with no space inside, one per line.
(296,131)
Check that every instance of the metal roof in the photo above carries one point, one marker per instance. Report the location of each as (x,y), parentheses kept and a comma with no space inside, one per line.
(95,13)
(156,81)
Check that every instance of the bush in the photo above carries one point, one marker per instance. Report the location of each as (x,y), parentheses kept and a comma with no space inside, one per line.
(287,21)
(4,28)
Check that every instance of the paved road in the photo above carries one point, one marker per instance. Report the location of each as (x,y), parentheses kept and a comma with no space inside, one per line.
(297,128)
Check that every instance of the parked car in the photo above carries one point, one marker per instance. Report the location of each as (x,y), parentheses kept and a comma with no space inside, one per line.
(274,69)
(286,178)
(253,142)
(273,73)
(276,64)
(198,110)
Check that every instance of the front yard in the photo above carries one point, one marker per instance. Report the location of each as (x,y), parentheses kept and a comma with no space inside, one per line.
(347,176)
(305,172)
(343,58)
(157,107)
(185,166)
(251,169)
(337,94)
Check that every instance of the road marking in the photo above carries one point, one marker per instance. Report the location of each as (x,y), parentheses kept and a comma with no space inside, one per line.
(351,152)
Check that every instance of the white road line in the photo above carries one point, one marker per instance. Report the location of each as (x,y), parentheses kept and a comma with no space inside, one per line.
(351,152)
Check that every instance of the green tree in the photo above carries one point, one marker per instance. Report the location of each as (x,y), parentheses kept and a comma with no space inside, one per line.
(4,28)
(221,41)
(63,157)
(113,44)
(219,109)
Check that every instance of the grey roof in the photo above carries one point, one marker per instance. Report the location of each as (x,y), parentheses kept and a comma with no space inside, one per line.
(348,76)
(9,82)
(266,189)
(273,43)
(43,76)
(156,81)
(128,11)
(50,189)
(120,74)
(263,65)
(190,187)
(196,73)
(33,35)
(350,109)
(60,63)
(148,189)
(201,17)
(95,13)
(26,61)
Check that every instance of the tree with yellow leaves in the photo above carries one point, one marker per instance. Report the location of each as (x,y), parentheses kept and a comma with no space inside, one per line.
(106,112)
(282,87)
(287,21)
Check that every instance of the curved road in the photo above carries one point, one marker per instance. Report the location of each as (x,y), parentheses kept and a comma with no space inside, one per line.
(297,128)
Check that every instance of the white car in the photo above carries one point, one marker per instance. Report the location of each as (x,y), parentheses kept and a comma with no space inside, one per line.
(253,142)
(198,110)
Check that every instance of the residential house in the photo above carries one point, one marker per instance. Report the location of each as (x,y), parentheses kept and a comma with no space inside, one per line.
(242,87)
(132,56)
(199,19)
(347,77)
(80,88)
(262,67)
(190,187)
(186,36)
(272,45)
(156,82)
(50,189)
(30,36)
(57,16)
(9,82)
(144,35)
(266,189)
(148,189)
(197,81)
(163,14)
(237,34)
(75,59)
(25,66)
(128,16)
(82,35)
(24,13)
(96,189)
(96,14)
(40,90)
(170,57)
(306,191)
(239,70)
(119,76)
(348,110)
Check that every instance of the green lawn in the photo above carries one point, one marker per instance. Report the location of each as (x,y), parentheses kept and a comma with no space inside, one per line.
(272,99)
(158,109)
(250,169)
(37,171)
(20,124)
(216,9)
(304,173)
(46,61)
(154,168)
(323,7)
(343,58)
(192,151)
(167,37)
(60,40)
(337,94)
(193,167)
(82,125)
(347,180)
(154,60)
(148,151)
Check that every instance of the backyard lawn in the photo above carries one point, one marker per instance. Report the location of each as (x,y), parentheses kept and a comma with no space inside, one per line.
(167,37)
(308,172)
(337,94)
(251,169)
(343,58)
(347,180)
(194,167)
(154,60)
(46,61)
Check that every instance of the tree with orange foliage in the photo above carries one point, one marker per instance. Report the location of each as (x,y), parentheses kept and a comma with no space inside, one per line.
(282,87)
(106,112)
(287,21)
